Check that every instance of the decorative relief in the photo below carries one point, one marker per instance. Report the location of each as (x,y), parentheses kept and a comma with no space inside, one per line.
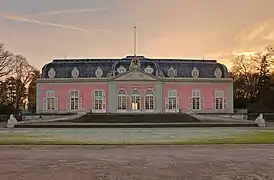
(218,73)
(75,73)
(51,73)
(149,69)
(195,72)
(135,75)
(135,63)
(121,69)
(99,72)
(171,72)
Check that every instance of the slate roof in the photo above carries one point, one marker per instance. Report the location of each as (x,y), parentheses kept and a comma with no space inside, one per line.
(87,67)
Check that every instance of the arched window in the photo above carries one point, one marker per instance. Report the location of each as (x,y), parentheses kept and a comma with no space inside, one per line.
(74,100)
(50,102)
(99,101)
(122,100)
(172,101)
(135,100)
(149,100)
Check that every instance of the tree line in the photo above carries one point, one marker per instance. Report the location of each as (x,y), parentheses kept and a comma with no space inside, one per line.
(253,82)
(17,83)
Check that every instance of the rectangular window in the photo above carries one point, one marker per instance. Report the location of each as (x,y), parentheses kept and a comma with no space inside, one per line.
(50,103)
(196,100)
(172,103)
(74,103)
(122,102)
(219,100)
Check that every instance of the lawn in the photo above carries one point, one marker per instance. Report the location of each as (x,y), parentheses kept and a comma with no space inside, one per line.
(41,138)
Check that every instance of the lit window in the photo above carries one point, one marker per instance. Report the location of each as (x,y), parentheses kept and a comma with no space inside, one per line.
(135,100)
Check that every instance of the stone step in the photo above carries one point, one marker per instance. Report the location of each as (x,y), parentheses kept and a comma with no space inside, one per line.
(134,125)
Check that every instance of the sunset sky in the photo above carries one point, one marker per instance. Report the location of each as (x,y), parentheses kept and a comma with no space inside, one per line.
(216,29)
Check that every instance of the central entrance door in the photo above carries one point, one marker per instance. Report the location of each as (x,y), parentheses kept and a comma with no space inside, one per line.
(135,101)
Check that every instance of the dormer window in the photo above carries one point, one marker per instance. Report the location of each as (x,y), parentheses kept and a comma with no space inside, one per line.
(149,69)
(121,70)
(75,73)
(99,72)
(218,73)
(51,73)
(171,72)
(195,73)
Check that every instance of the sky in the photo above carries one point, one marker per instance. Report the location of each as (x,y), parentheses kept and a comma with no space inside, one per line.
(42,30)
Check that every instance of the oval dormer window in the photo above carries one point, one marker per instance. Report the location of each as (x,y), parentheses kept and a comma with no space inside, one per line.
(99,72)
(218,73)
(51,73)
(195,73)
(149,69)
(121,70)
(75,73)
(171,72)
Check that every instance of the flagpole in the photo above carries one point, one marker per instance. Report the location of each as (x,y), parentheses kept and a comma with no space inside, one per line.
(134,46)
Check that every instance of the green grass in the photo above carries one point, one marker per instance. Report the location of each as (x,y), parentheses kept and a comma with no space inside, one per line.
(257,137)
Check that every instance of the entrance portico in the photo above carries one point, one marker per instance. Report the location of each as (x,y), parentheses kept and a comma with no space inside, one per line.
(135,92)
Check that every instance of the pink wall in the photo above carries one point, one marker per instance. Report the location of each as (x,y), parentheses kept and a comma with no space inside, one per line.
(184,93)
(63,90)
(141,87)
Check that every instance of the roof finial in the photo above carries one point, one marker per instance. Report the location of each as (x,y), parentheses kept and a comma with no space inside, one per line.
(134,45)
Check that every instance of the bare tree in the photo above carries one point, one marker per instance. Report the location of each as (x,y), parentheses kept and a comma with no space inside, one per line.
(24,73)
(251,73)
(6,61)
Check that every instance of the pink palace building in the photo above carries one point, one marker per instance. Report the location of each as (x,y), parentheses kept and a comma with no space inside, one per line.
(134,84)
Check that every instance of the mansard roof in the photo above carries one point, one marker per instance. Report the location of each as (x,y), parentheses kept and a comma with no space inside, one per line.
(87,67)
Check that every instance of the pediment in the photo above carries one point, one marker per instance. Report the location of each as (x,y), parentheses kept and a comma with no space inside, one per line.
(135,75)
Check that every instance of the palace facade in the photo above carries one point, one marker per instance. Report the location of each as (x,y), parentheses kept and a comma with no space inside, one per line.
(134,84)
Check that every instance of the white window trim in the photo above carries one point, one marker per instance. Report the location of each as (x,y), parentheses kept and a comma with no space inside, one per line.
(167,102)
(144,103)
(50,94)
(201,100)
(80,101)
(138,110)
(223,102)
(104,104)
(126,95)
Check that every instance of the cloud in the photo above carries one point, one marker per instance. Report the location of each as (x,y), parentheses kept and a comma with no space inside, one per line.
(22,19)
(66,11)
(26,18)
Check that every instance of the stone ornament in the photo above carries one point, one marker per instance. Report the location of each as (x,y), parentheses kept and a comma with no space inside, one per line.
(149,69)
(218,73)
(121,69)
(195,72)
(75,73)
(99,72)
(11,121)
(171,72)
(51,73)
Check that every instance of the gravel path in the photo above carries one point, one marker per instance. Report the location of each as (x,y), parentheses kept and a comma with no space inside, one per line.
(234,162)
